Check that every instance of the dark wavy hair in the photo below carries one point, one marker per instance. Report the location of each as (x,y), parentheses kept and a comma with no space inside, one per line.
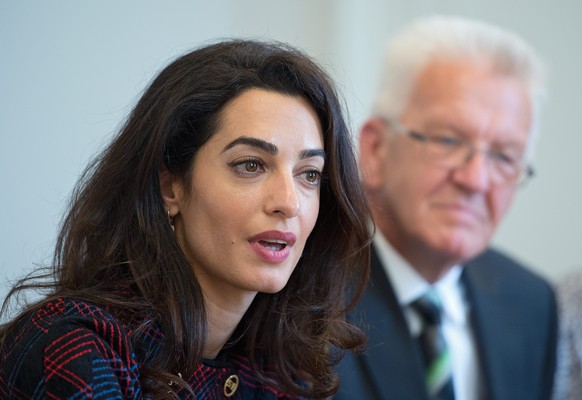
(116,239)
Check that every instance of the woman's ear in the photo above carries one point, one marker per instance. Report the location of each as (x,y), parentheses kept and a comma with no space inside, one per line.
(171,190)
(373,148)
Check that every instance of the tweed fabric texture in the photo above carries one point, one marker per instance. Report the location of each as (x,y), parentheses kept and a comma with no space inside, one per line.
(75,350)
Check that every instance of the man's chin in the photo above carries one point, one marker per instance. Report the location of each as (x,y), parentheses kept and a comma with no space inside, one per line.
(458,249)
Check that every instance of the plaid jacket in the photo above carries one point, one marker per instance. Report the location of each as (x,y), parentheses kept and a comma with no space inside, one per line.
(74,350)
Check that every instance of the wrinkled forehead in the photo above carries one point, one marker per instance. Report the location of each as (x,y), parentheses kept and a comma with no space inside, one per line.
(470,98)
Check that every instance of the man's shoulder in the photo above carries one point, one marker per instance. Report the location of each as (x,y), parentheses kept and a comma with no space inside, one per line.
(499,258)
(494,267)
(497,261)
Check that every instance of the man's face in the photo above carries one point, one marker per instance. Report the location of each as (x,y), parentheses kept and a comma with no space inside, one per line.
(435,215)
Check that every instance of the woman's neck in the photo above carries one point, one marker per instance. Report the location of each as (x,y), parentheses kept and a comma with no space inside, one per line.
(223,318)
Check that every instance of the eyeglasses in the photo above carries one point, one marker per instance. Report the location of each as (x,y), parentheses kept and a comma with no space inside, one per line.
(506,165)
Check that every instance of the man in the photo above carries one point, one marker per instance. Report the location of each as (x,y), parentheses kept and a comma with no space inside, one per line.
(442,156)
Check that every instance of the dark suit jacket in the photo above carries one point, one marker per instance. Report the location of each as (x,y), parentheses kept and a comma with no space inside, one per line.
(514,319)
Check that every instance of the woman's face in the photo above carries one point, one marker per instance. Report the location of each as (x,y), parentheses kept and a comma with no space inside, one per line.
(254,196)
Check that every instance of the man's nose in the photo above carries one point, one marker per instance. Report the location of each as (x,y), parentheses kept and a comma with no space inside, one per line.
(475,173)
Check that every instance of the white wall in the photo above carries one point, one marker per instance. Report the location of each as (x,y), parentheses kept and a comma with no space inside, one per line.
(70,71)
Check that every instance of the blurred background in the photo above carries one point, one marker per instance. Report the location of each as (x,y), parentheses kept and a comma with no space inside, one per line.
(71,71)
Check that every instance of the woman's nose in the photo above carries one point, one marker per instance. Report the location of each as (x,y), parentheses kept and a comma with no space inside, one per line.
(282,196)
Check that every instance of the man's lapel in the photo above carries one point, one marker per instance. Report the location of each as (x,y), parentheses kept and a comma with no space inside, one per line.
(392,359)
(491,316)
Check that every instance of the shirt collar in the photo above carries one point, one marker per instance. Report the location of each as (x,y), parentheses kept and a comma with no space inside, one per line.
(409,285)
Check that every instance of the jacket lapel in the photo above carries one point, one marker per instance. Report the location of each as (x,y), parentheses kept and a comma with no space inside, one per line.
(491,316)
(392,359)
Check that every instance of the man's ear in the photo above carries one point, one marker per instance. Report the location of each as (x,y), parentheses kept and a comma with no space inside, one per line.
(373,148)
(170,188)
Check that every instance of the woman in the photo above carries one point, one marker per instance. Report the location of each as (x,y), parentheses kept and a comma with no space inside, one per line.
(208,249)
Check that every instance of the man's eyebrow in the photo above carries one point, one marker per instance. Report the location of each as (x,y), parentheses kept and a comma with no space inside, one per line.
(259,143)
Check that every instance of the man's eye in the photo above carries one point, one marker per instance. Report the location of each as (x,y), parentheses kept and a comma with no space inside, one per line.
(447,141)
(503,157)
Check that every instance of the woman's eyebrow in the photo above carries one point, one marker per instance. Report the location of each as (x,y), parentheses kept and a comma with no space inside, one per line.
(312,153)
(270,147)
(258,143)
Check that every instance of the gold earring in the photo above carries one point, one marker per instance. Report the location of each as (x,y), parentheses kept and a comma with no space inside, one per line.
(171,220)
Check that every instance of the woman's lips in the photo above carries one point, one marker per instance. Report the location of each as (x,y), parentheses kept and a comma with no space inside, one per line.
(273,246)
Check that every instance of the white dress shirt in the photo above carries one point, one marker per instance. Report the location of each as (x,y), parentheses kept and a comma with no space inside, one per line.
(409,285)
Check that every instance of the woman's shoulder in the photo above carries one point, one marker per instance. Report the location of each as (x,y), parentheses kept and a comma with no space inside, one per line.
(67,308)
(64,317)
(66,347)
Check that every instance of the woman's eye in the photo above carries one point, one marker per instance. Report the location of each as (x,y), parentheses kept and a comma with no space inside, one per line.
(313,177)
(247,166)
(251,166)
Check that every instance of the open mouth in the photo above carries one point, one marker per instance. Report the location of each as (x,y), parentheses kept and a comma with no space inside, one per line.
(275,245)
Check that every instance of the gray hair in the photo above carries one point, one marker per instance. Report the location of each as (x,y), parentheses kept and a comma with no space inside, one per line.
(449,37)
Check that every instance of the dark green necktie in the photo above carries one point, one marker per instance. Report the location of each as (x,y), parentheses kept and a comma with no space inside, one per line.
(436,354)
